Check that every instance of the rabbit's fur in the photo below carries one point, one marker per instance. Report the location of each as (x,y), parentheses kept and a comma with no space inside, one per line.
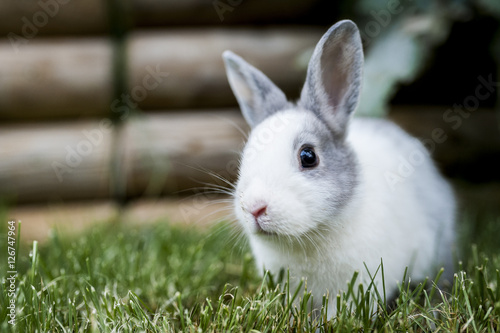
(374,194)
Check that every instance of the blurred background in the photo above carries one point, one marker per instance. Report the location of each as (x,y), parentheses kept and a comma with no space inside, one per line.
(110,105)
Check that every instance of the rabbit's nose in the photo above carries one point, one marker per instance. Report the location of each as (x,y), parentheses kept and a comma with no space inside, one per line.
(259,211)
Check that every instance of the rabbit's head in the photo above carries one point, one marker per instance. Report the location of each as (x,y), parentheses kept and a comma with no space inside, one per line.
(297,172)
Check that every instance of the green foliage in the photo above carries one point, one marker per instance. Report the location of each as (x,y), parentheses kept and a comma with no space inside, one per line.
(168,279)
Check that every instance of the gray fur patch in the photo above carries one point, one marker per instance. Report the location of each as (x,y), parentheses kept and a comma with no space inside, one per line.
(257,95)
(338,167)
(333,77)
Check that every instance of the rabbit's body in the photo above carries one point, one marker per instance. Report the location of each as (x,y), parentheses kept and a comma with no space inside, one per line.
(323,195)
(407,221)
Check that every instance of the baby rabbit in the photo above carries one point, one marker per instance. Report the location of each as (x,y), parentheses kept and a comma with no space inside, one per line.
(322,193)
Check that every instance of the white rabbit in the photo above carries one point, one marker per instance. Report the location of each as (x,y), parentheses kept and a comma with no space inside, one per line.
(321,193)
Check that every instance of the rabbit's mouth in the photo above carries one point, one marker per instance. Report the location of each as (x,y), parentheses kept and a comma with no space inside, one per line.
(262,223)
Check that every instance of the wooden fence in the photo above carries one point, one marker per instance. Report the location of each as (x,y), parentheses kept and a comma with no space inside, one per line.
(87,111)
(119,99)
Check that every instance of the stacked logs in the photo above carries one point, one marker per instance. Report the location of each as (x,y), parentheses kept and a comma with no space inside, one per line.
(85,114)
(67,133)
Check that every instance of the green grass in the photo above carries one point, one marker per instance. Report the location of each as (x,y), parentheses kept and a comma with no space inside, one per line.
(168,279)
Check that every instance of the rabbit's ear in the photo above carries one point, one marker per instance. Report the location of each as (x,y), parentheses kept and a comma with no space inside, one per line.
(256,93)
(333,78)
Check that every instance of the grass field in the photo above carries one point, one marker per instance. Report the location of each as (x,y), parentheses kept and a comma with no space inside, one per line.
(168,279)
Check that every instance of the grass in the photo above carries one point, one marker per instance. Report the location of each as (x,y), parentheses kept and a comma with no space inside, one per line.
(168,279)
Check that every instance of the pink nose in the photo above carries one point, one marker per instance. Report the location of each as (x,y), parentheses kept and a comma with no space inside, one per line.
(259,211)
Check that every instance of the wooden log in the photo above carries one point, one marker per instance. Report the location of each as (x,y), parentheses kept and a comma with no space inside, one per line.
(182,69)
(25,20)
(158,154)
(193,12)
(466,145)
(69,219)
(56,78)
(172,152)
(55,162)
(193,61)
(73,218)
(29,19)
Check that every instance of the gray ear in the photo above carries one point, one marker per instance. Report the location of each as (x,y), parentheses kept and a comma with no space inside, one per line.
(333,78)
(256,93)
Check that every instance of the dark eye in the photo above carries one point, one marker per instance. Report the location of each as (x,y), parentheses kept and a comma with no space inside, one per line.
(308,157)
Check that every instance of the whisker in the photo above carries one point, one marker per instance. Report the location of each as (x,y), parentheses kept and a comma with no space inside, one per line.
(235,125)
(206,171)
(236,239)
(216,211)
(224,180)
(212,191)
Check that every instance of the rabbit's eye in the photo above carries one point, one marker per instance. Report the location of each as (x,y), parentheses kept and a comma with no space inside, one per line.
(308,157)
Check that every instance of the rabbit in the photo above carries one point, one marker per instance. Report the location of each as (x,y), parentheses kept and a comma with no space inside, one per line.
(323,194)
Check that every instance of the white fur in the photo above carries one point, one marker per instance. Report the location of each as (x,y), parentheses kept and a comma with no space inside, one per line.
(374,195)
(396,224)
